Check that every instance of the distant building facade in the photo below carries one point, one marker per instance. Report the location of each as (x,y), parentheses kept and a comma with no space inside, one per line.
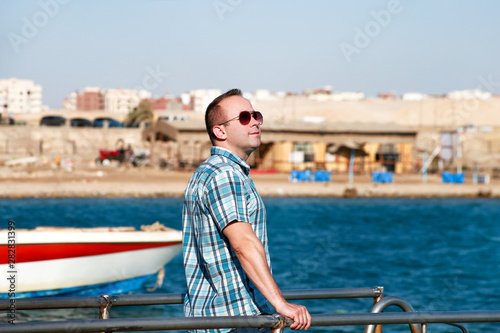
(338,97)
(69,102)
(388,95)
(326,94)
(414,96)
(297,146)
(164,103)
(91,98)
(20,96)
(122,101)
(469,94)
(200,98)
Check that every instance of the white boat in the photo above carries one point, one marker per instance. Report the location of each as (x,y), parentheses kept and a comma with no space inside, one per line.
(48,261)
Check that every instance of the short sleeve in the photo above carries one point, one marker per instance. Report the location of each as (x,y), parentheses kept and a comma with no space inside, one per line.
(227,199)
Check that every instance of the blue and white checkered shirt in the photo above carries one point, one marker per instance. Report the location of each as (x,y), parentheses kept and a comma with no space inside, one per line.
(220,192)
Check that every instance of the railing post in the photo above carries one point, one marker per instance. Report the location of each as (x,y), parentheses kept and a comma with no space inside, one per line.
(105,310)
(378,328)
(280,326)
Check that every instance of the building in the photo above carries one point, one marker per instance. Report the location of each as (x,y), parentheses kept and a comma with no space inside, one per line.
(297,146)
(119,101)
(69,102)
(200,98)
(168,103)
(414,96)
(388,95)
(122,101)
(20,96)
(90,99)
(338,97)
(469,94)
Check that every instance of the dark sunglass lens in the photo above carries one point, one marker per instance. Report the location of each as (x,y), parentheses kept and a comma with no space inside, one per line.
(245,117)
(258,116)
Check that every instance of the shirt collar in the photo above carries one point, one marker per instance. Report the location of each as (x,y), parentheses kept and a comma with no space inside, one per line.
(233,157)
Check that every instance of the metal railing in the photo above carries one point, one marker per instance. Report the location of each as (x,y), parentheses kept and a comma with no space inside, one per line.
(277,323)
(105,302)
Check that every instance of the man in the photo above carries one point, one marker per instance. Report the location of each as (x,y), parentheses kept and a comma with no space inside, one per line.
(226,260)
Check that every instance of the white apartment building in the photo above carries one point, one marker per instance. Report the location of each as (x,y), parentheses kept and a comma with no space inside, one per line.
(20,96)
(414,96)
(337,97)
(347,96)
(200,98)
(70,102)
(122,101)
(469,94)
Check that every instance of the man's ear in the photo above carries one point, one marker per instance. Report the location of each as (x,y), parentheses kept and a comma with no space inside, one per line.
(220,132)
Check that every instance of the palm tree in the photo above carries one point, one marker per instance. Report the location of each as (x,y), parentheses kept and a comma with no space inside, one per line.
(142,112)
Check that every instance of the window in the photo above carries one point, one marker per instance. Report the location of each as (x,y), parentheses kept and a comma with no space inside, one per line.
(303,149)
(388,155)
(387,152)
(449,146)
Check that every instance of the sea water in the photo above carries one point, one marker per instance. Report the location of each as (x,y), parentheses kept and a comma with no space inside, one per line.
(438,254)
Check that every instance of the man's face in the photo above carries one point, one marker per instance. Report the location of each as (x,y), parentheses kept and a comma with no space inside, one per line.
(240,138)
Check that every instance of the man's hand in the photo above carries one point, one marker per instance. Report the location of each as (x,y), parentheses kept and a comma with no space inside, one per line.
(298,313)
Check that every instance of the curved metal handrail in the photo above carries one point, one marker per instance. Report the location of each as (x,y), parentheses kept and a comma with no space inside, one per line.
(464,330)
(405,306)
(388,301)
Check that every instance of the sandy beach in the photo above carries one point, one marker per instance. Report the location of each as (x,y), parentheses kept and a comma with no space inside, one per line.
(143,182)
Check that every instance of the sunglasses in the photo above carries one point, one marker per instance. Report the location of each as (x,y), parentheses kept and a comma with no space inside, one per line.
(246,116)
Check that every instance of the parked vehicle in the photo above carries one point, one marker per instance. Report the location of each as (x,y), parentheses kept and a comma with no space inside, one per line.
(119,153)
(139,157)
(174,117)
(136,157)
(108,155)
(136,125)
(53,121)
(99,122)
(80,122)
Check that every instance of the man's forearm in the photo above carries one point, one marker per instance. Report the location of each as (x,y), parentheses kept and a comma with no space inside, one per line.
(252,257)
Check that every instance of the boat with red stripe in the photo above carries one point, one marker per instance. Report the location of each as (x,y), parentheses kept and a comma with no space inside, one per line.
(75,261)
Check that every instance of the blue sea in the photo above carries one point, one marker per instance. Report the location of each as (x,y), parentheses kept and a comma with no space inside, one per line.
(438,254)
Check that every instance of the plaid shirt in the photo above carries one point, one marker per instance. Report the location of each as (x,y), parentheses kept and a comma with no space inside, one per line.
(220,192)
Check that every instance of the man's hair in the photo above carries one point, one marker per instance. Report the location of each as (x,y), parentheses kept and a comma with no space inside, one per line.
(214,114)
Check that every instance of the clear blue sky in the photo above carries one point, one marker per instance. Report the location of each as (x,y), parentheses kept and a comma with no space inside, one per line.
(407,45)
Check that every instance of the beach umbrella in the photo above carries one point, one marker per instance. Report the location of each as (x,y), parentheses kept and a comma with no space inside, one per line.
(350,149)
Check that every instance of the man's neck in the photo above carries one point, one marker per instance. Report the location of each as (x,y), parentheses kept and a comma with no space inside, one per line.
(238,152)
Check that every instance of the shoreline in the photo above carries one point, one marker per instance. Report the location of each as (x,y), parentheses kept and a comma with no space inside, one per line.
(159,183)
(169,195)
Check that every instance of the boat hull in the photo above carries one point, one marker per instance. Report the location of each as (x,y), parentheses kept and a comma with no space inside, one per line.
(59,263)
